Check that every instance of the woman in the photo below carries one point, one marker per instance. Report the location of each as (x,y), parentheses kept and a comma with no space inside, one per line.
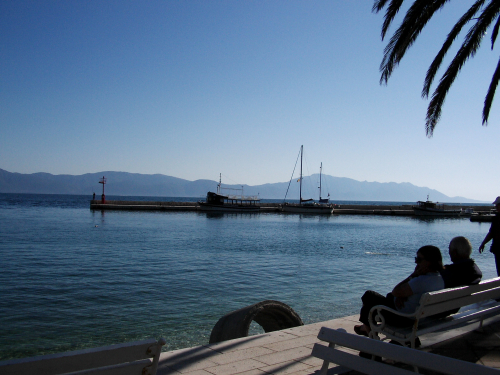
(405,296)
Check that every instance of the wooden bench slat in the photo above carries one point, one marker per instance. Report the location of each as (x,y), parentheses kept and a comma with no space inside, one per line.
(79,360)
(354,362)
(445,294)
(402,354)
(134,368)
(426,311)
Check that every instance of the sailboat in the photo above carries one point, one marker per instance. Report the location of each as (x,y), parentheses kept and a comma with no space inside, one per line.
(307,206)
(322,200)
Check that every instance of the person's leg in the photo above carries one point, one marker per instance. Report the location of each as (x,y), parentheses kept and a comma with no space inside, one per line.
(497,262)
(370,299)
(394,319)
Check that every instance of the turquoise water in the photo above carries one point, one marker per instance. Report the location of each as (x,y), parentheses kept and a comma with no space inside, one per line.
(74,278)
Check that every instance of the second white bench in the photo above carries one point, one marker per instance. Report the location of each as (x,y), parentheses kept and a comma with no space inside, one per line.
(476,302)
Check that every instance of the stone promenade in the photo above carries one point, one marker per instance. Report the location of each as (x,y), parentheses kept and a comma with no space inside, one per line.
(288,351)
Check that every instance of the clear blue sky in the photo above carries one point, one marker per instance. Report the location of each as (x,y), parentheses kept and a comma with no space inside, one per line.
(192,89)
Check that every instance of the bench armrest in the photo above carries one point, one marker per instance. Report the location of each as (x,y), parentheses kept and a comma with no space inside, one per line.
(378,322)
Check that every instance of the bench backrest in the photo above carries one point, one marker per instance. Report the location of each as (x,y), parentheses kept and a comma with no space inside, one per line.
(129,358)
(397,353)
(448,299)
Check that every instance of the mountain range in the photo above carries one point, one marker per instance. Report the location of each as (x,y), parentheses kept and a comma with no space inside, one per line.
(135,184)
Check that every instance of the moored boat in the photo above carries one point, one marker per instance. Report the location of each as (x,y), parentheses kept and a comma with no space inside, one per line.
(308,206)
(482,217)
(429,208)
(229,203)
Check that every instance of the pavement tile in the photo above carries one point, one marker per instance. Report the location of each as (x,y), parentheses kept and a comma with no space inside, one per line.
(189,354)
(312,361)
(239,355)
(310,329)
(165,370)
(286,355)
(200,372)
(293,343)
(249,342)
(252,372)
(286,368)
(235,367)
(189,366)
(491,359)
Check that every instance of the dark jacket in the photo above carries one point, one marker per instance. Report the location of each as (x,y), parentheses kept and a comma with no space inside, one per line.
(462,273)
(495,234)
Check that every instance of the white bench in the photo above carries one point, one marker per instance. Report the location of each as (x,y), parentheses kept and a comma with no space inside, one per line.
(330,354)
(475,302)
(134,358)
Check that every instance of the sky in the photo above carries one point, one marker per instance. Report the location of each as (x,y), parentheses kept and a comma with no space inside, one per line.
(192,89)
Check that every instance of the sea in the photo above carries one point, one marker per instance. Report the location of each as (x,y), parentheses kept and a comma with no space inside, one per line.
(73,278)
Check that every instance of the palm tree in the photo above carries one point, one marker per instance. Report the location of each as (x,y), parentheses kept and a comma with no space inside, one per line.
(482,14)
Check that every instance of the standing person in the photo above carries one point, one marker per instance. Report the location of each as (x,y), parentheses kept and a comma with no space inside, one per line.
(494,234)
(405,297)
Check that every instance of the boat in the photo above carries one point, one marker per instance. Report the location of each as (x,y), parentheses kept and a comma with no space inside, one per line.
(307,206)
(322,200)
(220,202)
(483,217)
(429,208)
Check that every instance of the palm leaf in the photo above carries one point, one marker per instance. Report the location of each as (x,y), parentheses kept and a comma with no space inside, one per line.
(468,49)
(390,14)
(415,20)
(495,33)
(432,71)
(491,93)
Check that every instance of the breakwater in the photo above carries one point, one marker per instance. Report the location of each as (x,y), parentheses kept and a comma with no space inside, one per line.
(343,209)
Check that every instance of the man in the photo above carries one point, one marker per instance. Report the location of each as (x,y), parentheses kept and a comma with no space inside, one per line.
(463,270)
(494,234)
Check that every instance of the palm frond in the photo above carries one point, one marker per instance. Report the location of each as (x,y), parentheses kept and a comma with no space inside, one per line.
(468,49)
(378,5)
(495,33)
(390,14)
(433,68)
(491,93)
(415,20)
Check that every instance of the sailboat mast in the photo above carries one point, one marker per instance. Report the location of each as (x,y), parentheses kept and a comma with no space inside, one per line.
(320,168)
(301,151)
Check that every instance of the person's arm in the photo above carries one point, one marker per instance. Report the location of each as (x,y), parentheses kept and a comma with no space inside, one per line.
(487,239)
(403,288)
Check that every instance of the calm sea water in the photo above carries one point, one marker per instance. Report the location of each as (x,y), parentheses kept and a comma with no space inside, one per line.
(73,278)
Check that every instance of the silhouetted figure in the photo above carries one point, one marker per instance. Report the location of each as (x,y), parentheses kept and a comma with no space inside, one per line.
(494,234)
(405,297)
(463,270)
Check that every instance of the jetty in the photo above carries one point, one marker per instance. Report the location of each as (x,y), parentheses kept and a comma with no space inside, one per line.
(289,351)
(390,210)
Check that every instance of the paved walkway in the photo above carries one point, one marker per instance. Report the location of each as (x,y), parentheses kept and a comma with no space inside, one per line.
(289,351)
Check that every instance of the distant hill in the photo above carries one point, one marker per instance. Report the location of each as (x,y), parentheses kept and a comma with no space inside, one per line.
(135,184)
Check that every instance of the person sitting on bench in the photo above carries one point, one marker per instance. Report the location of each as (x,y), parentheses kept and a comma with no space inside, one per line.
(464,271)
(405,296)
